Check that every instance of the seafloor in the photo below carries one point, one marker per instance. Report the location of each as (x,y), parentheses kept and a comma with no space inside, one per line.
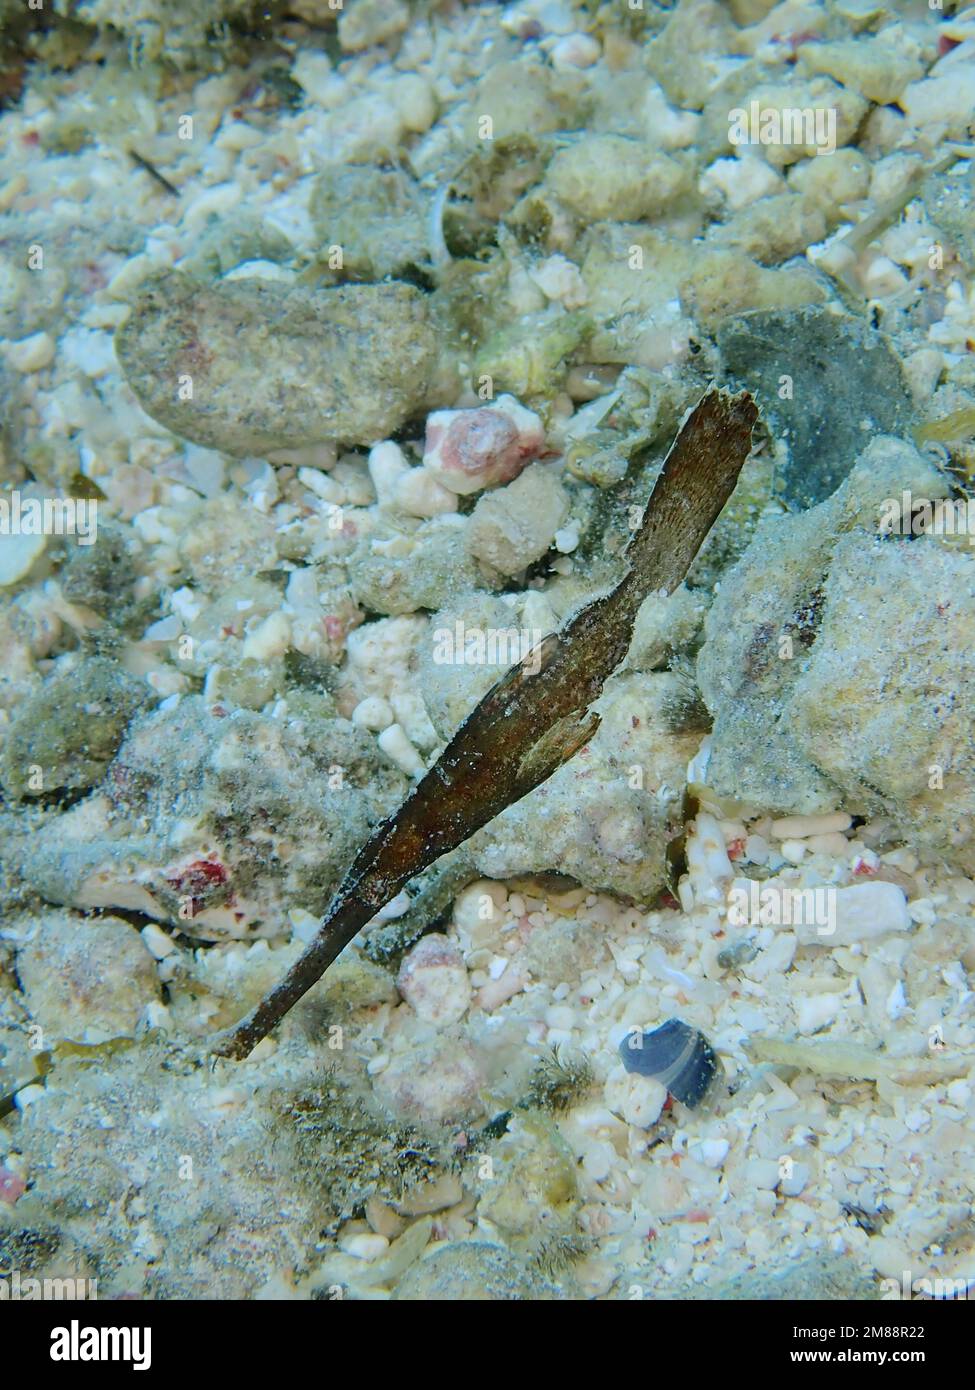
(341,346)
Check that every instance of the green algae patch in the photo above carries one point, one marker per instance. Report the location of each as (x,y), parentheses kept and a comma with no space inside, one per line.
(63,737)
(376,216)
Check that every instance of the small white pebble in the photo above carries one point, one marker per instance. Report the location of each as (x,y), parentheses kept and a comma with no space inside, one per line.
(896,1002)
(30,354)
(497,967)
(373,713)
(387,463)
(757,849)
(417,493)
(795,1179)
(762,1173)
(794,851)
(157,942)
(801,827)
(395,744)
(713,1152)
(834,845)
(363,1246)
(575,51)
(269,639)
(815,1011)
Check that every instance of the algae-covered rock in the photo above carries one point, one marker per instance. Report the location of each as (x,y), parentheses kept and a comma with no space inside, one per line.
(227,242)
(64,735)
(86,980)
(526,97)
(218,823)
(179,33)
(532,1195)
(368,22)
(874,68)
(398,571)
(823,381)
(514,526)
(472,1271)
(251,366)
(613,177)
(100,576)
(837,663)
(685,58)
(376,216)
(436,1077)
(210,1177)
(949,201)
(775,228)
(842,1278)
(884,706)
(528,358)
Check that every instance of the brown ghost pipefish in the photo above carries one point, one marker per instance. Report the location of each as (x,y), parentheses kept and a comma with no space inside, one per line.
(538,714)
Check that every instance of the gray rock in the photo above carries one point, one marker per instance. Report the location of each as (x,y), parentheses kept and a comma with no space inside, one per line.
(86,980)
(217,823)
(838,663)
(275,367)
(949,201)
(375,215)
(846,385)
(64,735)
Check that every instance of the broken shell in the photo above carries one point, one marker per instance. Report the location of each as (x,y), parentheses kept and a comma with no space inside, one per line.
(676,1055)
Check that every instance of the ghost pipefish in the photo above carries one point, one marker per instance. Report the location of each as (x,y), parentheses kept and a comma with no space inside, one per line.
(537,716)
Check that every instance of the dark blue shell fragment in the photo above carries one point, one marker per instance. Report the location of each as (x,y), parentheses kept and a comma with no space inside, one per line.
(675,1054)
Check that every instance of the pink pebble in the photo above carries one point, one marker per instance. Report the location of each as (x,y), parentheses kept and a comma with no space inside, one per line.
(12,1186)
(467,450)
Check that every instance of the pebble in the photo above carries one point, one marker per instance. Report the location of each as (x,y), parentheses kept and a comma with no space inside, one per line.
(30,354)
(835,845)
(713,1152)
(434,982)
(801,827)
(417,493)
(515,525)
(86,980)
(757,849)
(373,713)
(387,464)
(575,51)
(18,554)
(481,902)
(12,1187)
(793,850)
(468,450)
(865,911)
(364,1247)
(707,860)
(316,385)
(395,744)
(795,1180)
(762,1174)
(157,942)
(270,639)
(816,1011)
